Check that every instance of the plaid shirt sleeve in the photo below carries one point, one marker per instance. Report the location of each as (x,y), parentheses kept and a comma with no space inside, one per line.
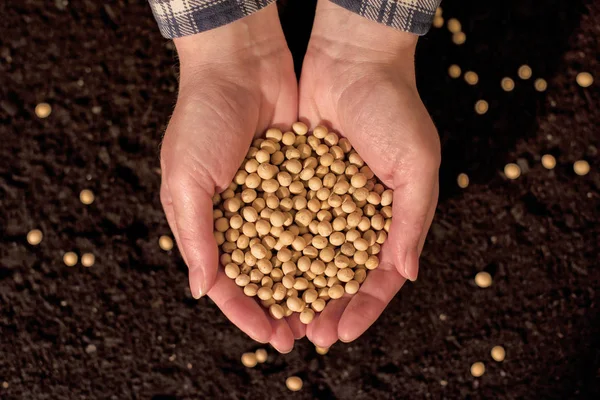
(177,18)
(413,16)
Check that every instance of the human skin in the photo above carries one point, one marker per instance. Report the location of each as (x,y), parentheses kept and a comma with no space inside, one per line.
(238,80)
(358,77)
(235,82)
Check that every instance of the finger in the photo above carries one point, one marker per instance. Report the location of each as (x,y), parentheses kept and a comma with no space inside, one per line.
(167,203)
(381,285)
(430,216)
(282,337)
(412,205)
(243,311)
(414,253)
(307,108)
(286,105)
(375,293)
(192,206)
(323,330)
(297,327)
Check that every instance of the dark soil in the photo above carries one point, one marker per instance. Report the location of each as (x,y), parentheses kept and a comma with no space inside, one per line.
(111,80)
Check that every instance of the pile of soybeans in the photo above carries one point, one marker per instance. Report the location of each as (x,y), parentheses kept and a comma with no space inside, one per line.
(302,222)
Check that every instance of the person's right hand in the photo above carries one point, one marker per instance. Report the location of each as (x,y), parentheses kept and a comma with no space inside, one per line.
(236,81)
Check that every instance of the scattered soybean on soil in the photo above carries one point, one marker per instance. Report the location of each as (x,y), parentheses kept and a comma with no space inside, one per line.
(127,327)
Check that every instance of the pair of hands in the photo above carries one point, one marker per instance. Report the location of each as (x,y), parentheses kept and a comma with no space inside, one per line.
(238,80)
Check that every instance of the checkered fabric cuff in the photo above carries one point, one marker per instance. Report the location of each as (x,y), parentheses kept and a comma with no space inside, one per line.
(177,18)
(413,16)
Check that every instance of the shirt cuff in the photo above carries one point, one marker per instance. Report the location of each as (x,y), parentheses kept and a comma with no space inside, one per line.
(414,16)
(177,18)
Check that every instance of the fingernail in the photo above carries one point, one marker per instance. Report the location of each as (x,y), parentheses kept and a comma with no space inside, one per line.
(197,291)
(197,281)
(284,352)
(410,275)
(198,294)
(406,275)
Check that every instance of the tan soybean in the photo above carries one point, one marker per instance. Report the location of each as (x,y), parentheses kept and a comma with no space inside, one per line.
(301,223)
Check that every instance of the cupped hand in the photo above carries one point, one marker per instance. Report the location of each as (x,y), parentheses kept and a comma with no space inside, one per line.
(235,82)
(358,76)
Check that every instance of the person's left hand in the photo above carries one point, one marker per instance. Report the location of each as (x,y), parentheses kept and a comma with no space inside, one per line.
(358,77)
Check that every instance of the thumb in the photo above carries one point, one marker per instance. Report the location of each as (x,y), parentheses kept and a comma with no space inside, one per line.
(192,208)
(412,212)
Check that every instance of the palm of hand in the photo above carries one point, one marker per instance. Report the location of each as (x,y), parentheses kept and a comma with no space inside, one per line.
(222,106)
(380,112)
(207,138)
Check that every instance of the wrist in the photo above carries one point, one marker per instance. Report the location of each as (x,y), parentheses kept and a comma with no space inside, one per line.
(241,41)
(346,35)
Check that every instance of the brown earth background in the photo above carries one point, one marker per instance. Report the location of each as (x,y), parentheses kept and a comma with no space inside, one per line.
(128,327)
